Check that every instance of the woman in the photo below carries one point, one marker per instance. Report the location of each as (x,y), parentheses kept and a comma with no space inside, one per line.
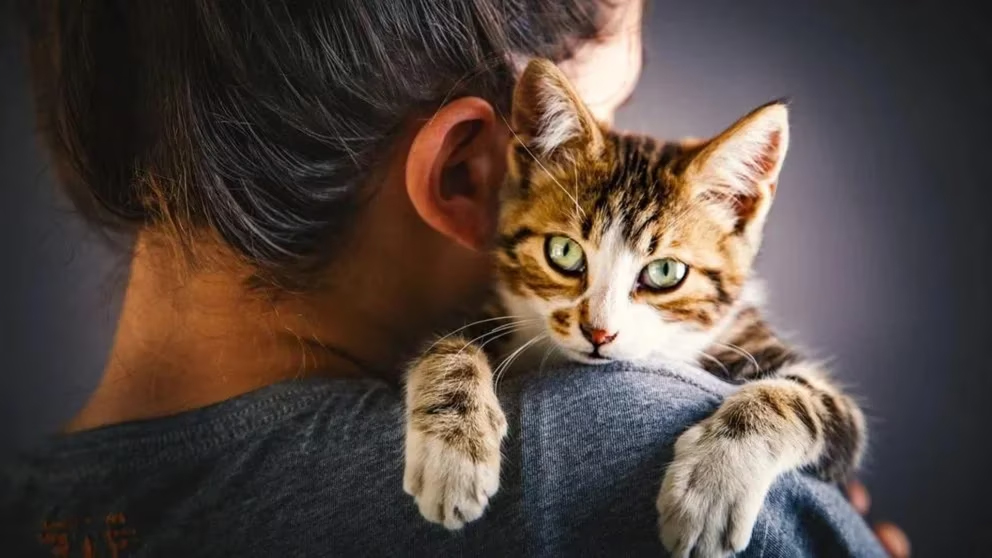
(311,187)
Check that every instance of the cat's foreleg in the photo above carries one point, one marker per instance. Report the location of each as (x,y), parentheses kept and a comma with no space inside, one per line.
(787,416)
(454,427)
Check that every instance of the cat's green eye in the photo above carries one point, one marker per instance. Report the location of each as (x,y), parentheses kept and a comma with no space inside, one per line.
(666,273)
(564,254)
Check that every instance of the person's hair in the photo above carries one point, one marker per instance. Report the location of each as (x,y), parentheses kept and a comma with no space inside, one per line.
(259,121)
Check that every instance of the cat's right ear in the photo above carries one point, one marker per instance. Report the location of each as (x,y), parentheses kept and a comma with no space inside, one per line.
(549,119)
(736,173)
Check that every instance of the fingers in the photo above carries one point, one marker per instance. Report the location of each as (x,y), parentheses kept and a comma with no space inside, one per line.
(893,540)
(858,495)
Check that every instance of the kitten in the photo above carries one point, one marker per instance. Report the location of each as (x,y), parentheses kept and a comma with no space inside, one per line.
(619,247)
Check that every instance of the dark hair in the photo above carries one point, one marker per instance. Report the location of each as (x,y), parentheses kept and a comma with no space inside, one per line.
(261,120)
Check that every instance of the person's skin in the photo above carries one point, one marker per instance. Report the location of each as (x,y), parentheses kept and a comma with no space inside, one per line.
(190,336)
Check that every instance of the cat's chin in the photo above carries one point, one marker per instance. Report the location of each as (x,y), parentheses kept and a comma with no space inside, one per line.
(585,358)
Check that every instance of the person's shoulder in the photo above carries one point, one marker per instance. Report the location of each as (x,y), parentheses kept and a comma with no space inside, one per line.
(671,376)
(804,516)
(595,442)
(673,390)
(618,401)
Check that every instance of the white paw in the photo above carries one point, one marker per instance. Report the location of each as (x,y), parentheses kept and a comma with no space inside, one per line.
(712,493)
(449,487)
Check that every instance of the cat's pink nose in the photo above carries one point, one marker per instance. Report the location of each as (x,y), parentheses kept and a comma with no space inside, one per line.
(597,337)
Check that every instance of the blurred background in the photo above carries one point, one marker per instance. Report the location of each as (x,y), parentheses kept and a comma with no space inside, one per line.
(877,253)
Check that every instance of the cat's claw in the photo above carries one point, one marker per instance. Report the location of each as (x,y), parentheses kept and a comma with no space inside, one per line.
(711,495)
(450,488)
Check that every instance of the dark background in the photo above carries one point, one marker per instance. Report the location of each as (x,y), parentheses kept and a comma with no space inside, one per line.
(876,253)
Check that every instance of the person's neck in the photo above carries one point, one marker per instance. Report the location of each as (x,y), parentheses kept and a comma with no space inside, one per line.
(187,339)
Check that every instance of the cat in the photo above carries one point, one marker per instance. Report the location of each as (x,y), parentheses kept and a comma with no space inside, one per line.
(621,247)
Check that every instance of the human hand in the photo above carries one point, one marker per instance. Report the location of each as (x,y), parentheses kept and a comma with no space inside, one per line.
(893,539)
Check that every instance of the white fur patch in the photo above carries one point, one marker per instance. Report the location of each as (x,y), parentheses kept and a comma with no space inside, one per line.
(712,493)
(753,293)
(610,282)
(559,121)
(448,486)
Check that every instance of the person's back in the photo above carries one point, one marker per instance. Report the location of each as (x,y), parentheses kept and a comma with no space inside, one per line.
(314,468)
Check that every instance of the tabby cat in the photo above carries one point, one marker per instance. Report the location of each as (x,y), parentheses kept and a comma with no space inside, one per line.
(620,247)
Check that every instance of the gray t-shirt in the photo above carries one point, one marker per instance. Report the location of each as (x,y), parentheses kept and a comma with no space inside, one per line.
(315,468)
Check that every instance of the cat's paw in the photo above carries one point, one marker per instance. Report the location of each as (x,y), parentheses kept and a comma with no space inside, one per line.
(712,493)
(452,483)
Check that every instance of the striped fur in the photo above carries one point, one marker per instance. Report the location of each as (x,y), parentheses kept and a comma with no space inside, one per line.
(627,200)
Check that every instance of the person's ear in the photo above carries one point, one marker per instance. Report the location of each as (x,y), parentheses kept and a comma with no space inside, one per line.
(454,171)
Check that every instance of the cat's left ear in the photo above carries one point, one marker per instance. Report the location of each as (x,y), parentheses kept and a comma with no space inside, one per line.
(738,170)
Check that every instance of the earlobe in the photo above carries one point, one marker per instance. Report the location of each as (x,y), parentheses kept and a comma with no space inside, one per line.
(454,170)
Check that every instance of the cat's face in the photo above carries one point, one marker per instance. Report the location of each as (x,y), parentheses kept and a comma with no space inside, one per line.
(622,247)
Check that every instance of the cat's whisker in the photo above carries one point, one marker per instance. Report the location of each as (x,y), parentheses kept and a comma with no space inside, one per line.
(508,331)
(712,358)
(486,64)
(540,164)
(741,352)
(508,361)
(679,218)
(521,324)
(544,360)
(464,327)
(498,371)
(575,174)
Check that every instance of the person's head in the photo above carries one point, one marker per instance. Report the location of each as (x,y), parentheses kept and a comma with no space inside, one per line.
(307,145)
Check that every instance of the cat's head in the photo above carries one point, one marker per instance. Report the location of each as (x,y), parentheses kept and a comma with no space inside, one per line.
(620,247)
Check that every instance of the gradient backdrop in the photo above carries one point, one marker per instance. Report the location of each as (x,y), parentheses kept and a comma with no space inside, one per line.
(876,254)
